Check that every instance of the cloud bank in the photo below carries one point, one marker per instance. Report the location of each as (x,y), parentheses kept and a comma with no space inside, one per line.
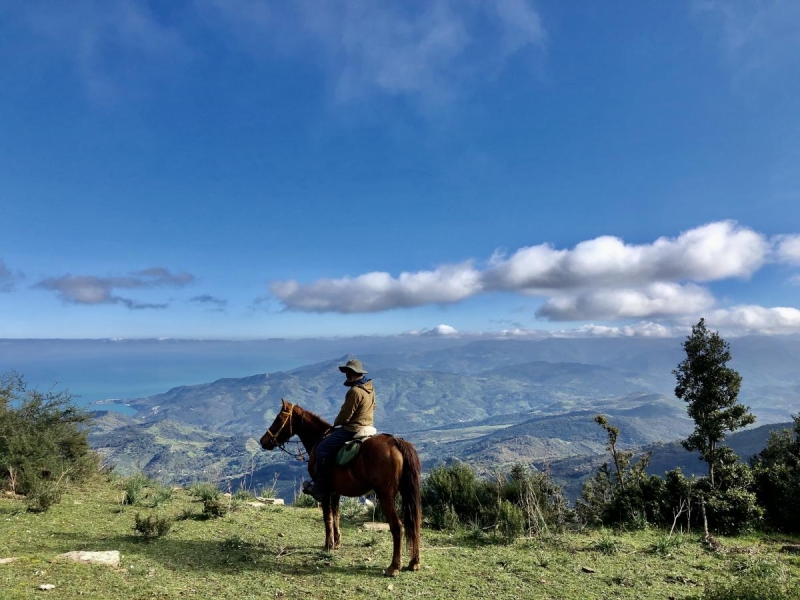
(599,279)
(90,290)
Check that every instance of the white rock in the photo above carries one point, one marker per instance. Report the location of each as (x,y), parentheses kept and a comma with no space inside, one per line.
(9,560)
(275,501)
(109,557)
(47,586)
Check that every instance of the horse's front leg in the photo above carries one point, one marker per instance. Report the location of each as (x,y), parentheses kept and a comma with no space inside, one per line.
(327,516)
(396,527)
(337,534)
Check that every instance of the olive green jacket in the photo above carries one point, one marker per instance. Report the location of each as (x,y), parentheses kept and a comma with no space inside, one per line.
(358,409)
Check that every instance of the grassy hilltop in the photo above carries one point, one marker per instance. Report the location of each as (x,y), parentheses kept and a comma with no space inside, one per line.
(275,552)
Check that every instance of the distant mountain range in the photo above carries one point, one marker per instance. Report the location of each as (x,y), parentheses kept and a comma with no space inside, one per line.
(489,402)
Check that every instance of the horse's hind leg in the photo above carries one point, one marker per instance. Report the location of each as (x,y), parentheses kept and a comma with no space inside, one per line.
(396,527)
(327,516)
(337,534)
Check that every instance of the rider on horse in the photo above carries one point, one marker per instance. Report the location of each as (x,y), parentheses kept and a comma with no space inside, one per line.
(357,412)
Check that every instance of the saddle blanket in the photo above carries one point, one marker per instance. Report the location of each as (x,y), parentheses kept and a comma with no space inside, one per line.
(350,450)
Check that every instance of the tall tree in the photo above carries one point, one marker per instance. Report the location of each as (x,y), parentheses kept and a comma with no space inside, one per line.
(710,388)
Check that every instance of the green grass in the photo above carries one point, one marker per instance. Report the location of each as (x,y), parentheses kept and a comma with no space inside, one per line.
(275,552)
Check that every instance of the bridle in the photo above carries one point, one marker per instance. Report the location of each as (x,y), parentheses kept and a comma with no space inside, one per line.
(273,437)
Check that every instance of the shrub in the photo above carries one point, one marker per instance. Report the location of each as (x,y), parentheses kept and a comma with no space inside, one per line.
(521,502)
(151,527)
(304,501)
(621,492)
(215,507)
(243,495)
(776,471)
(43,442)
(452,488)
(43,495)
(204,490)
(351,509)
(510,521)
(542,504)
(731,504)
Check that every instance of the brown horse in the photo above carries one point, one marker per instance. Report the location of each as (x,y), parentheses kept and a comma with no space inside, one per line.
(385,464)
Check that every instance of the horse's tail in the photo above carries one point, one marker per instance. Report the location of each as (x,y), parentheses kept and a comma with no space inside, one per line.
(410,491)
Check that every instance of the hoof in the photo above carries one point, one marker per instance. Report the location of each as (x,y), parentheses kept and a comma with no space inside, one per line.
(413,566)
(391,572)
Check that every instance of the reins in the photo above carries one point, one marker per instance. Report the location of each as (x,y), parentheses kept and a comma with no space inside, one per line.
(298,454)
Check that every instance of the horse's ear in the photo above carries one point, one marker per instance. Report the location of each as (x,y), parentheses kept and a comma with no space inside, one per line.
(284,403)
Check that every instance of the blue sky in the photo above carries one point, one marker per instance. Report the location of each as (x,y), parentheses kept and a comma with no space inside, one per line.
(252,169)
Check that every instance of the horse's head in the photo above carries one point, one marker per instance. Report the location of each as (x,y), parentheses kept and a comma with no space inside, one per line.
(281,429)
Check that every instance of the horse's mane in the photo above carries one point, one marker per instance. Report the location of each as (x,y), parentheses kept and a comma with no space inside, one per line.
(315,417)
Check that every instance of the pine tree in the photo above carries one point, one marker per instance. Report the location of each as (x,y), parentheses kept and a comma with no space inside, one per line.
(710,388)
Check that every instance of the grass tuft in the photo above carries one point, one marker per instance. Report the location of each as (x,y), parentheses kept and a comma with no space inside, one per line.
(135,488)
(606,544)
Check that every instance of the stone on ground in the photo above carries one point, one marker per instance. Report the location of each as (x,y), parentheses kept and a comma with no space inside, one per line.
(109,557)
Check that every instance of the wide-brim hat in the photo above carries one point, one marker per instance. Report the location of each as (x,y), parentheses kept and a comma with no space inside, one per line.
(353,365)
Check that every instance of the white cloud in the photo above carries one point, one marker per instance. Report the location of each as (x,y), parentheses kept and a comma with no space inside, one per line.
(641,329)
(376,292)
(438,331)
(756,36)
(655,300)
(426,50)
(710,252)
(443,331)
(104,39)
(787,249)
(602,278)
(88,289)
(756,319)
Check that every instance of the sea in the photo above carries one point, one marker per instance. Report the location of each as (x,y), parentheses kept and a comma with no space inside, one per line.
(101,374)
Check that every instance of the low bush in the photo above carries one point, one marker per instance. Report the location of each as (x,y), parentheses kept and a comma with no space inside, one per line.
(151,527)
(304,501)
(215,507)
(204,490)
(43,495)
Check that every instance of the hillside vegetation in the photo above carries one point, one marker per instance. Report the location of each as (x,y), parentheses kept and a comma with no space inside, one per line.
(274,552)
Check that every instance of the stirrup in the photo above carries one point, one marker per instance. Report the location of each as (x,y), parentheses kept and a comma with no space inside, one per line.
(310,488)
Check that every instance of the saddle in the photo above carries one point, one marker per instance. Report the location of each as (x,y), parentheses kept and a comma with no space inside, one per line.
(351,448)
